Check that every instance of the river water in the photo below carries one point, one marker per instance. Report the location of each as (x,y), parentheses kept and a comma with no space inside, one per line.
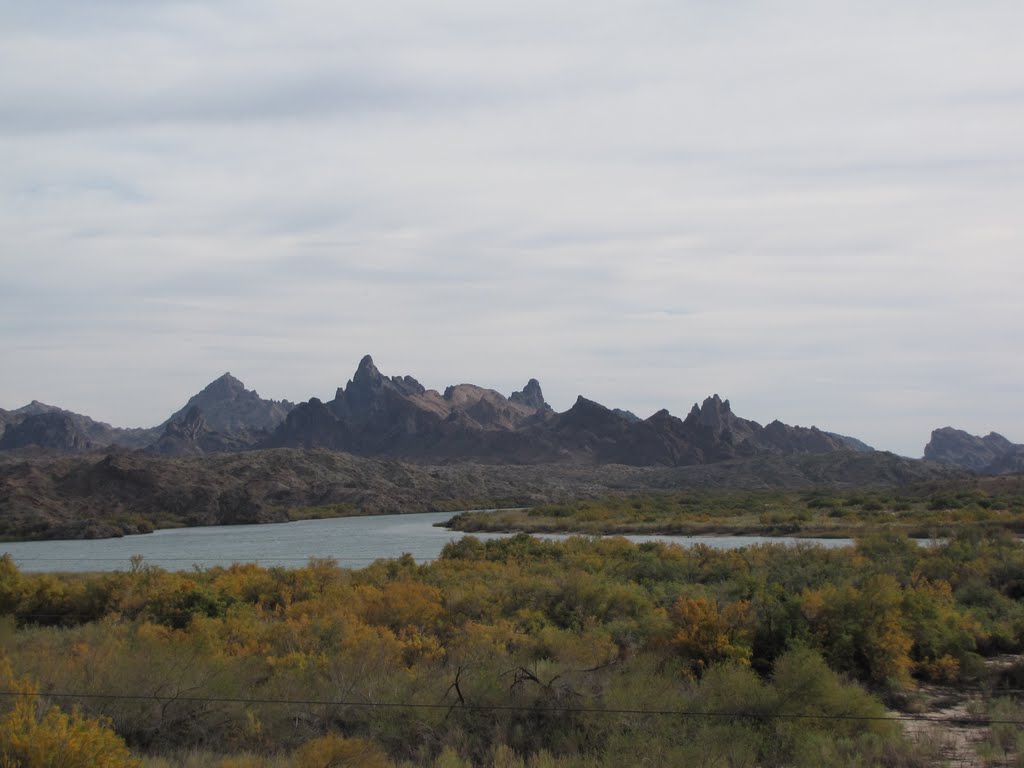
(352,541)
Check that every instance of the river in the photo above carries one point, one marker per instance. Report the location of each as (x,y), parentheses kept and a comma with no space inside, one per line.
(352,541)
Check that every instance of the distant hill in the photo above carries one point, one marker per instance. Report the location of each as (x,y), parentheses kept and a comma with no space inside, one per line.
(228,407)
(45,426)
(992,454)
(89,496)
(223,417)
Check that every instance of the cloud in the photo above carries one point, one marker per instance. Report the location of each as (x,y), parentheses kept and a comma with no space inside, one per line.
(813,210)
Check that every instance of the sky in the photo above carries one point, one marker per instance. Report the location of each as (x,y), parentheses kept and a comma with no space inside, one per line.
(812,208)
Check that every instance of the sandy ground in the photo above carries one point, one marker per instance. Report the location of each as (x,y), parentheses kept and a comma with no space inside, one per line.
(958,742)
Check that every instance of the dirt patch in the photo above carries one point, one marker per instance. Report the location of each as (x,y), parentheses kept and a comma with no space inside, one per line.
(954,721)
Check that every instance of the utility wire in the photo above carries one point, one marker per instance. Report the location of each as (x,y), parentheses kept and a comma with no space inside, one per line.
(966,721)
(218,558)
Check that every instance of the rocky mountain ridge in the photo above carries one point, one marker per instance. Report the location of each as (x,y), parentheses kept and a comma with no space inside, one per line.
(377,415)
(396,417)
(223,417)
(992,454)
(46,426)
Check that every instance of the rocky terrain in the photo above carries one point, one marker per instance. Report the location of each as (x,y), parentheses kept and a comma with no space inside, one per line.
(190,434)
(38,425)
(388,444)
(229,408)
(377,415)
(397,417)
(98,495)
(992,454)
(223,417)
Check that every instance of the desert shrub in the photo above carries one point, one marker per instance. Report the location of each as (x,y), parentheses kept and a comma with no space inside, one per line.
(36,735)
(333,751)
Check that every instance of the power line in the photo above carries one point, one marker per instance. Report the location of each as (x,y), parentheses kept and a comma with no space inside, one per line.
(216,558)
(967,721)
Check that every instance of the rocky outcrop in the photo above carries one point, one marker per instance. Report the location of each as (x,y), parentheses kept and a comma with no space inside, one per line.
(397,417)
(224,416)
(629,416)
(34,408)
(530,396)
(796,439)
(719,435)
(55,430)
(992,454)
(5,418)
(378,415)
(851,443)
(46,427)
(1009,463)
(311,425)
(191,435)
(228,407)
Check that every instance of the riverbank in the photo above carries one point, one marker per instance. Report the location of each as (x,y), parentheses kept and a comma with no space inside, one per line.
(819,514)
(102,495)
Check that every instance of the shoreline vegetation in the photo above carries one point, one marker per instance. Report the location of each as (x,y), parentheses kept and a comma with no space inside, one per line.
(106,495)
(924,513)
(525,653)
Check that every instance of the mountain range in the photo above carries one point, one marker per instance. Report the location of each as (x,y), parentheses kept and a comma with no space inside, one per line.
(396,417)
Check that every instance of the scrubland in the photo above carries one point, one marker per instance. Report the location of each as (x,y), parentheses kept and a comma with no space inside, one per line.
(520,652)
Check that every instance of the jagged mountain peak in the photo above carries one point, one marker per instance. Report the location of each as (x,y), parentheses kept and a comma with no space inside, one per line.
(225,386)
(716,403)
(366,370)
(531,395)
(227,379)
(34,408)
(714,414)
(379,415)
(369,390)
(228,407)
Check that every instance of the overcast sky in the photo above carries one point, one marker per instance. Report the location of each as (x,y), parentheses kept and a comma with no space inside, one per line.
(815,209)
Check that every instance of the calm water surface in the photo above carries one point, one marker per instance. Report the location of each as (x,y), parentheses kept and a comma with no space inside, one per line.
(352,541)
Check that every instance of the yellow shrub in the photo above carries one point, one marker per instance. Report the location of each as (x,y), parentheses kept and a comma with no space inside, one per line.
(332,751)
(34,736)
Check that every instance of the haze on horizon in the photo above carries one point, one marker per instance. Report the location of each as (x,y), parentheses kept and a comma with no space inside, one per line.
(811,209)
